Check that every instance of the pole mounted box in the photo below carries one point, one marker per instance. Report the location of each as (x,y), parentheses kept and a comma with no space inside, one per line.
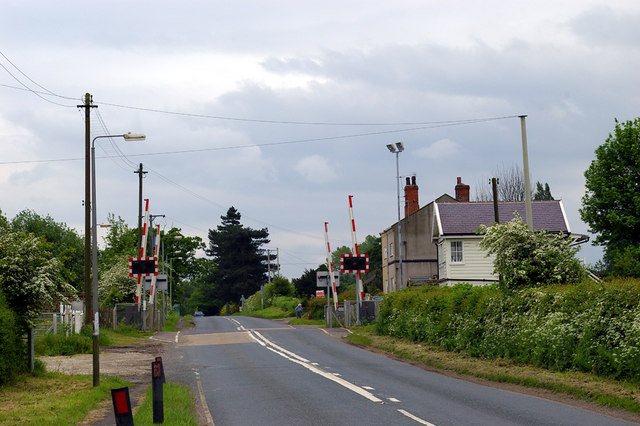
(143,266)
(350,263)
(322,278)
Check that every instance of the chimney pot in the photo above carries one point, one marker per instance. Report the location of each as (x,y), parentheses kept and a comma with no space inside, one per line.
(462,191)
(411,197)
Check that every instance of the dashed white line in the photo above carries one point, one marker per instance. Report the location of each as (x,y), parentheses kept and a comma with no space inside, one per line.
(393,399)
(415,418)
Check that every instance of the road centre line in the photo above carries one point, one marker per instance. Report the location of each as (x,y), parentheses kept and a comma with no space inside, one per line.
(279,348)
(415,418)
(306,364)
(334,377)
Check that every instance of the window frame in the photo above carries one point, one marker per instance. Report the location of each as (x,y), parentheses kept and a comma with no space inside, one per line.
(456,252)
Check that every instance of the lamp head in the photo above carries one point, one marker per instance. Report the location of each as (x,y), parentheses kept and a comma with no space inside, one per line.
(134,136)
(400,146)
(391,148)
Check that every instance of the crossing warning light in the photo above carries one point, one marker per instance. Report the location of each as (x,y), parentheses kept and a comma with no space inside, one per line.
(143,266)
(350,263)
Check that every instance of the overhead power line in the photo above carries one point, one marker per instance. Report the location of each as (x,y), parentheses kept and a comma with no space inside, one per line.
(296,141)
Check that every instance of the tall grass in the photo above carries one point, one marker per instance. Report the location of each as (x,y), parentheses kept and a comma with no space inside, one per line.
(587,327)
(75,343)
(177,403)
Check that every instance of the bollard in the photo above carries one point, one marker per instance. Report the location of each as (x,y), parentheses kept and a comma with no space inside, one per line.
(159,359)
(158,397)
(122,406)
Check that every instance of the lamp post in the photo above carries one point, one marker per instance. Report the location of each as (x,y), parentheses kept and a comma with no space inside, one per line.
(396,149)
(94,259)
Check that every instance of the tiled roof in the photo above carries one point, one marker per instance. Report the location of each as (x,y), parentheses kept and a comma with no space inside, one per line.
(464,218)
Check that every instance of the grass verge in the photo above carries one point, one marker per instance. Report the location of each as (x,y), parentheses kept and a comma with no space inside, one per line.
(584,386)
(178,405)
(53,398)
(272,312)
(305,321)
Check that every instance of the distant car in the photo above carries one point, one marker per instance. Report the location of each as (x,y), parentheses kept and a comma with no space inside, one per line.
(198,314)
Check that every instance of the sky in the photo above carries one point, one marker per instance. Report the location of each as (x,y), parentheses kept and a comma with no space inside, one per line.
(283,109)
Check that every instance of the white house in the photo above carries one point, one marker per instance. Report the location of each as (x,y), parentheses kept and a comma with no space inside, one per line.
(460,258)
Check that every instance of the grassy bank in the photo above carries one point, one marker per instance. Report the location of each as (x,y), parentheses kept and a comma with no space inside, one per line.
(53,398)
(587,327)
(178,404)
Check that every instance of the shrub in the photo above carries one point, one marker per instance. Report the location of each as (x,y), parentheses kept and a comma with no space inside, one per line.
(526,258)
(13,355)
(587,326)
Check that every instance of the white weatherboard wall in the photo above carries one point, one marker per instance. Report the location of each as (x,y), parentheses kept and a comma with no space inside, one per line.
(476,268)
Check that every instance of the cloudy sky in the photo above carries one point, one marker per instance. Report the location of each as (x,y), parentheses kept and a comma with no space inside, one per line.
(283,108)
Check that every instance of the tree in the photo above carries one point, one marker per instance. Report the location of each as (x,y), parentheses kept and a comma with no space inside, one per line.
(306,285)
(373,247)
(30,278)
(526,258)
(510,187)
(237,252)
(61,241)
(282,286)
(120,242)
(611,204)
(115,285)
(542,193)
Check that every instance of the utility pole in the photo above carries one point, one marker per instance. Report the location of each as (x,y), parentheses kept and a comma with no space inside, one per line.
(141,173)
(88,104)
(527,183)
(494,187)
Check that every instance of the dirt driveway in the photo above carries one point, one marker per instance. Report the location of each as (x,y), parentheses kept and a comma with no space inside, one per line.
(132,363)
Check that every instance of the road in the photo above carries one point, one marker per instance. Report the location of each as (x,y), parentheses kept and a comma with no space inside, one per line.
(251,371)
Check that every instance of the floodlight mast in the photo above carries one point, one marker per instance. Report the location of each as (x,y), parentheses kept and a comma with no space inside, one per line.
(397,149)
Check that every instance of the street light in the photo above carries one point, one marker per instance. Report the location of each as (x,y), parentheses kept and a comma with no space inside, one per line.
(94,259)
(397,149)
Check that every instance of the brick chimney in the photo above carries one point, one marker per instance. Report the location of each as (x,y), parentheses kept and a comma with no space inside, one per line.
(462,191)
(411,197)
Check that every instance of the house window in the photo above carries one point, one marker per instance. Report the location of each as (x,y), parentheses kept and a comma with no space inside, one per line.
(390,249)
(385,252)
(456,251)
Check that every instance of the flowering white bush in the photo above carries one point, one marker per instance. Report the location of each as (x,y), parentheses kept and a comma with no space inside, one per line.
(29,277)
(526,258)
(115,285)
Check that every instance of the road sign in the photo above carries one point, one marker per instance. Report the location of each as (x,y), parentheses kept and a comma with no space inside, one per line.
(161,282)
(350,263)
(322,278)
(319,293)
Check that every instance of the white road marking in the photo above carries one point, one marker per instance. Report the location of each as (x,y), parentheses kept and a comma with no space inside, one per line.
(415,418)
(393,399)
(368,388)
(306,364)
(203,400)
(177,334)
(280,348)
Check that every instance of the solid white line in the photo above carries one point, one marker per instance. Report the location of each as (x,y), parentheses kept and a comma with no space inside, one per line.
(280,348)
(207,413)
(306,364)
(417,419)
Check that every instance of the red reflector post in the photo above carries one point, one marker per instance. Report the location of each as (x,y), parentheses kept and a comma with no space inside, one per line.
(122,406)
